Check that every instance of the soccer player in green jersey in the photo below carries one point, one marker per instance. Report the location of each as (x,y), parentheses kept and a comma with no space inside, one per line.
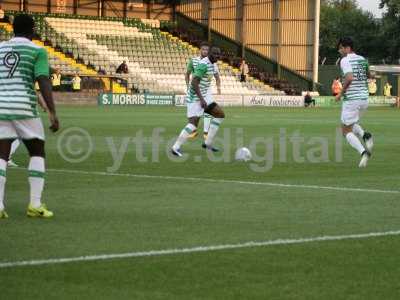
(355,72)
(199,100)
(192,64)
(21,63)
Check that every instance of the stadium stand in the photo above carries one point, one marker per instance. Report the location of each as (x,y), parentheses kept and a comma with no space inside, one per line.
(156,59)
(229,57)
(57,59)
(67,65)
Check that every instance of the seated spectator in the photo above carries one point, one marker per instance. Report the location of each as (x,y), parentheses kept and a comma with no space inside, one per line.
(134,90)
(372,88)
(123,68)
(308,100)
(336,87)
(76,83)
(244,71)
(56,80)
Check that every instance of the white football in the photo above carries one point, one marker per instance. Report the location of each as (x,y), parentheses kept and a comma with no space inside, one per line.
(243,154)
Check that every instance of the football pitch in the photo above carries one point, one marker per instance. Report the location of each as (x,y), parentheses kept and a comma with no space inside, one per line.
(301,221)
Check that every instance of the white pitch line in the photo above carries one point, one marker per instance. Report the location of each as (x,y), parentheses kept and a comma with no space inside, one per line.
(198,249)
(199,179)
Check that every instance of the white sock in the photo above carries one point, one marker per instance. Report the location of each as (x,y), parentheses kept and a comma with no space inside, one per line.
(184,135)
(353,140)
(14,147)
(36,179)
(207,120)
(212,132)
(358,130)
(3,169)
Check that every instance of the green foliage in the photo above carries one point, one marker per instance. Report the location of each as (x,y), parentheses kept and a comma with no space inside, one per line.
(391,28)
(342,4)
(343,18)
(373,38)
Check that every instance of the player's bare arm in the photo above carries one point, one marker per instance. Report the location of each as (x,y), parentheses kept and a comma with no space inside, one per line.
(45,89)
(187,78)
(218,82)
(42,104)
(347,81)
(196,87)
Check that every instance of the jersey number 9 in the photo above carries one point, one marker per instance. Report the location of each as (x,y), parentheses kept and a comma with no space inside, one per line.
(11,61)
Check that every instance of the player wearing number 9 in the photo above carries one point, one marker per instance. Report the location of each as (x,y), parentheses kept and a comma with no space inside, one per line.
(21,64)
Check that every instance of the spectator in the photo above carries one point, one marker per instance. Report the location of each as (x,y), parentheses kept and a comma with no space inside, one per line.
(336,87)
(308,100)
(123,68)
(76,83)
(244,71)
(56,80)
(387,90)
(372,88)
(2,15)
(135,90)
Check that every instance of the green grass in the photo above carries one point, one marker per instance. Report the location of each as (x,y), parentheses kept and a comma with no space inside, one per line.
(102,214)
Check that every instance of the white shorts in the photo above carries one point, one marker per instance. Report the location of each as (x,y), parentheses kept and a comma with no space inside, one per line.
(194,109)
(352,111)
(25,129)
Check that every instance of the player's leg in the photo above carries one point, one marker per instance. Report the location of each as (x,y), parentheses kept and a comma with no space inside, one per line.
(8,134)
(190,127)
(32,134)
(194,112)
(14,146)
(361,133)
(358,130)
(36,170)
(207,118)
(350,116)
(364,135)
(206,124)
(218,117)
(193,135)
(5,147)
(352,139)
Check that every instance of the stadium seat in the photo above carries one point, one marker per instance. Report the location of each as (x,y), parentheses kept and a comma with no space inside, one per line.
(149,56)
(156,59)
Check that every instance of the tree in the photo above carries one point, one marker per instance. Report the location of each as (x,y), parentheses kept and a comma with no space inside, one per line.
(343,4)
(392,5)
(391,28)
(343,18)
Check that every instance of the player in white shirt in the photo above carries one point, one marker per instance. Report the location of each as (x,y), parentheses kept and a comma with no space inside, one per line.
(355,72)
(198,101)
(191,66)
(22,63)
